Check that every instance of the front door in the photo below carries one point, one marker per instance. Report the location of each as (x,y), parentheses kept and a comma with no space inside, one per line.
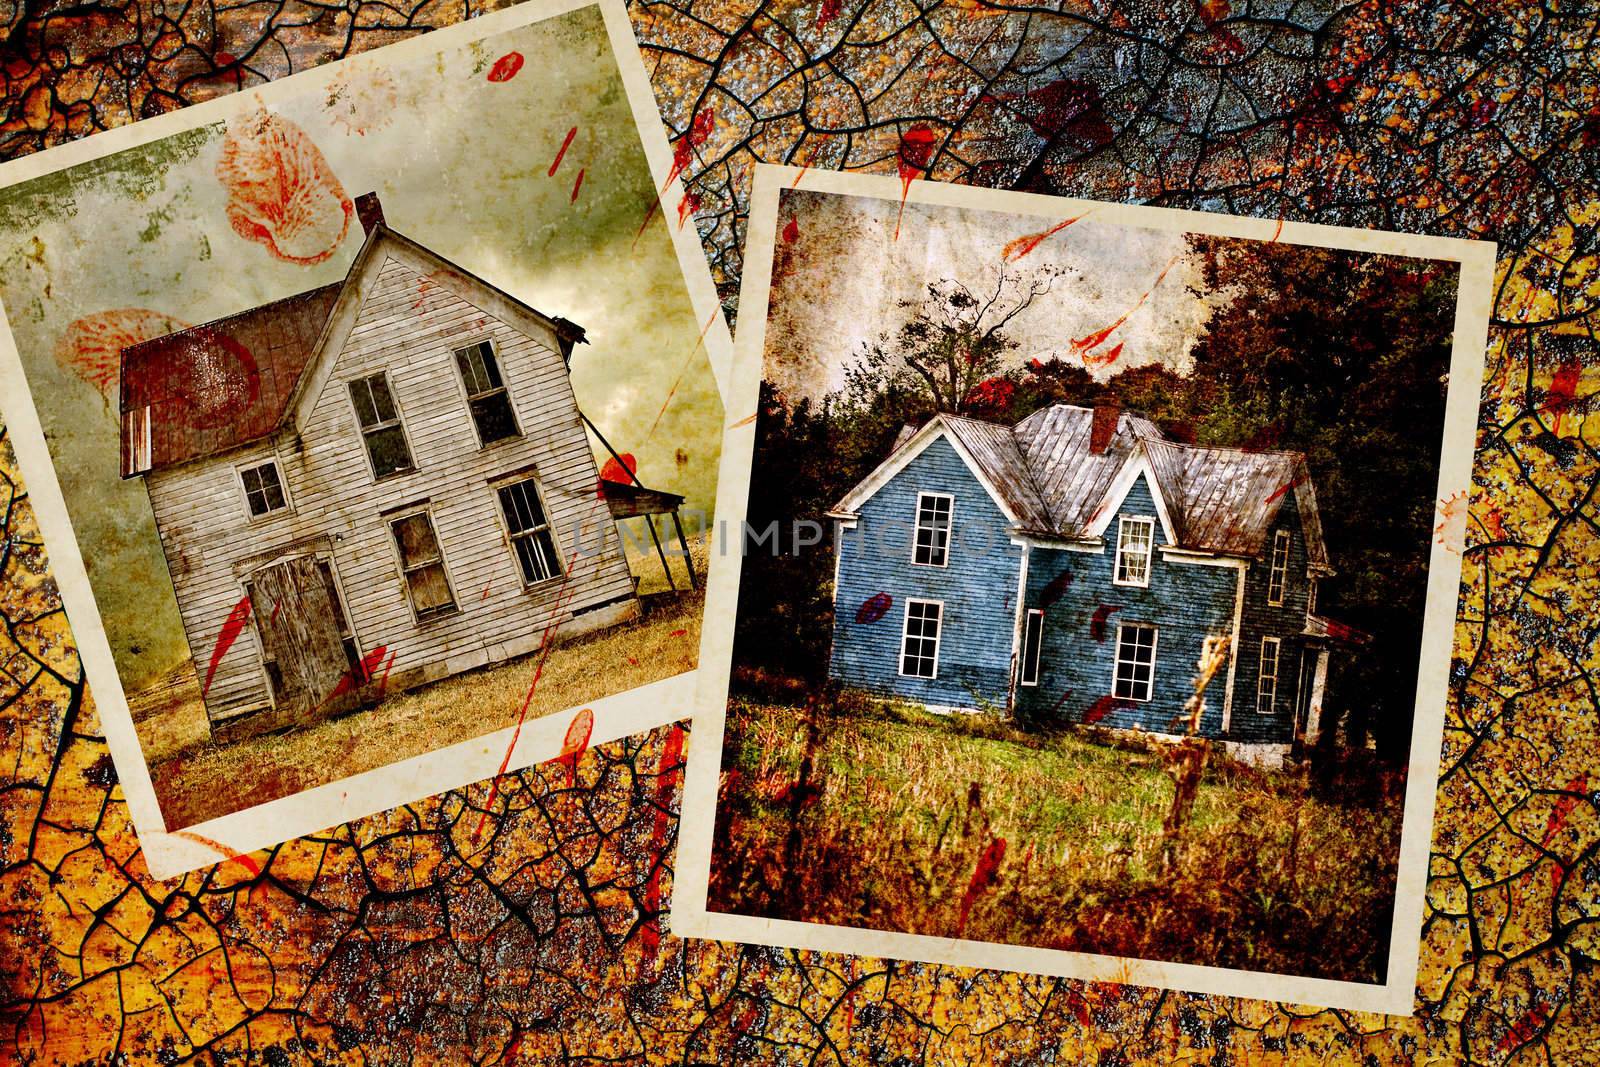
(299,626)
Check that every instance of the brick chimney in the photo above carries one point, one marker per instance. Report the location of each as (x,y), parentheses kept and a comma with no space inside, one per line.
(1103,426)
(370,211)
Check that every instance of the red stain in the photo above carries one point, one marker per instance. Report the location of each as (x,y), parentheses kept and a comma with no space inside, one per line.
(1104,359)
(666,781)
(1572,792)
(91,347)
(618,473)
(681,372)
(1082,345)
(282,194)
(874,608)
(231,627)
(791,232)
(227,854)
(277,606)
(545,645)
(983,875)
(687,206)
(1563,390)
(1055,589)
(1104,706)
(486,588)
(678,633)
(579,730)
(561,152)
(1277,232)
(1212,12)
(1021,246)
(505,68)
(916,151)
(576,185)
(682,153)
(827,13)
(383,679)
(227,383)
(1526,1027)
(1286,486)
(1097,622)
(746,421)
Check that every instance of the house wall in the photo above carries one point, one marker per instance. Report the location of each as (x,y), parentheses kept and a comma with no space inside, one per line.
(408,321)
(1286,622)
(1185,601)
(978,588)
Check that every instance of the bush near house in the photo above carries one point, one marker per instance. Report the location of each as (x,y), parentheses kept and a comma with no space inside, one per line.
(887,817)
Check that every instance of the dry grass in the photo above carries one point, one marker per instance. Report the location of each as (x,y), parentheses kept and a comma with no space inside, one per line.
(966,827)
(214,779)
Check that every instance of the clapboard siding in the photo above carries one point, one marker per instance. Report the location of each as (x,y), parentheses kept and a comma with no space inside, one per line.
(408,324)
(978,589)
(1263,620)
(1185,601)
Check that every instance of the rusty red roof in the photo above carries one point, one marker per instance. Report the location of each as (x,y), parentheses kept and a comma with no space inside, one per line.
(223,383)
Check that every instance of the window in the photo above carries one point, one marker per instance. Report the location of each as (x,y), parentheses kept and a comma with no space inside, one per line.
(932,547)
(380,425)
(919,646)
(1135,539)
(1278,575)
(531,540)
(422,564)
(1135,674)
(1032,640)
(1267,677)
(263,489)
(487,398)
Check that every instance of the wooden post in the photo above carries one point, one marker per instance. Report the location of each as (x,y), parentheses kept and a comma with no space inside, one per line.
(688,560)
(650,522)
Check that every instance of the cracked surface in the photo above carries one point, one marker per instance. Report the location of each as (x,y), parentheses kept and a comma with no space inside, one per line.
(399,938)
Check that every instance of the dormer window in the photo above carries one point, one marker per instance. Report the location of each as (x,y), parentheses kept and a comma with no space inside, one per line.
(1135,541)
(263,489)
(932,544)
(1278,573)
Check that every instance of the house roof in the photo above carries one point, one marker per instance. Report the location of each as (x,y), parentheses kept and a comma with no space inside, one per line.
(1044,475)
(238,379)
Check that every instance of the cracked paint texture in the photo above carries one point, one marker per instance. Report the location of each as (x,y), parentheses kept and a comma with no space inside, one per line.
(399,938)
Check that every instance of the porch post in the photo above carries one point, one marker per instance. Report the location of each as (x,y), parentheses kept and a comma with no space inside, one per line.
(1319,684)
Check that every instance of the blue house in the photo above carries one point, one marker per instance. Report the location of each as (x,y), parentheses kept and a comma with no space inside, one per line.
(1070,568)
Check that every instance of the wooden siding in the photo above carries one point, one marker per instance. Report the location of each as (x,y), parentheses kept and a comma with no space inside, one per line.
(1186,600)
(1263,620)
(408,324)
(978,588)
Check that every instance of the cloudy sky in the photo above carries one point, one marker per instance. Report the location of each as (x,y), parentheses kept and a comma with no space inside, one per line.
(839,280)
(461,161)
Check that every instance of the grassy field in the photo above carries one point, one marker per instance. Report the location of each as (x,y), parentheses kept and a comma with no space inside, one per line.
(208,779)
(964,826)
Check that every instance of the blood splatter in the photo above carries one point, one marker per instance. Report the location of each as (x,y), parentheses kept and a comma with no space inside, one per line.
(1082,345)
(827,13)
(666,781)
(916,151)
(678,633)
(791,232)
(682,152)
(1525,1028)
(983,876)
(228,855)
(874,608)
(676,382)
(282,194)
(1212,12)
(746,421)
(579,730)
(576,185)
(1292,483)
(1451,530)
(688,205)
(1097,622)
(1018,247)
(91,347)
(1104,706)
(1103,359)
(561,152)
(231,628)
(505,68)
(618,470)
(1055,589)
(1563,390)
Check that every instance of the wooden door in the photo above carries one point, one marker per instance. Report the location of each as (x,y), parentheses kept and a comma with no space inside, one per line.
(299,631)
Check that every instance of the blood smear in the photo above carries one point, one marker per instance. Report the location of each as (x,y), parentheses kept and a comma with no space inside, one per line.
(282,194)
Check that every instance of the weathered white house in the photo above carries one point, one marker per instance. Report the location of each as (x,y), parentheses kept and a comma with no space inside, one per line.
(371,485)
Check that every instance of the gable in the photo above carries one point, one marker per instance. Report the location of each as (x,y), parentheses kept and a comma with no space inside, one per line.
(932,432)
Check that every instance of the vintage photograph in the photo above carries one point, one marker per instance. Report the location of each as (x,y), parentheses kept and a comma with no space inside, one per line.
(383,410)
(1098,576)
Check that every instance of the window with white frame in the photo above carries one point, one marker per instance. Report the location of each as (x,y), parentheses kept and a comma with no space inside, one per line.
(422,564)
(1267,676)
(1135,674)
(531,540)
(1278,574)
(380,425)
(1135,542)
(919,643)
(932,545)
(1032,644)
(487,398)
(263,489)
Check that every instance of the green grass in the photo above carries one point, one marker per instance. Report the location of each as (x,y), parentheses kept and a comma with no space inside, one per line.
(901,805)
